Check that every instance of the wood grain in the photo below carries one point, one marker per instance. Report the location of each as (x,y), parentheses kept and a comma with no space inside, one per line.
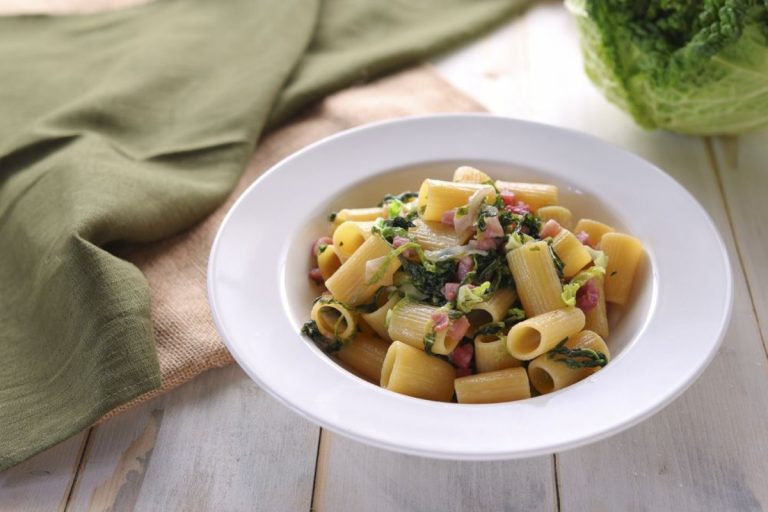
(221,443)
(217,443)
(354,476)
(742,165)
(43,482)
(707,450)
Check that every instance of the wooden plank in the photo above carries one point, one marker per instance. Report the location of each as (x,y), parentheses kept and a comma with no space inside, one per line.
(44,481)
(706,451)
(742,169)
(216,443)
(358,477)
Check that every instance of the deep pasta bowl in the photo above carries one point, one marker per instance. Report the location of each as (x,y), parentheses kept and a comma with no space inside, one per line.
(260,294)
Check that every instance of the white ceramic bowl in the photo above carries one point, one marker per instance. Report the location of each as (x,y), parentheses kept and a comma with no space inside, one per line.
(260,294)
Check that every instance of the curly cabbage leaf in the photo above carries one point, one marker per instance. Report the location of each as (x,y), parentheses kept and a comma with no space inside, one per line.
(688,66)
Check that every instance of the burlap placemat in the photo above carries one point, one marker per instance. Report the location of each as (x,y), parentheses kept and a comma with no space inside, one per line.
(187,341)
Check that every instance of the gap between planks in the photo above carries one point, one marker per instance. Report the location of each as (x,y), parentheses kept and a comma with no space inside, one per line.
(708,144)
(78,467)
(317,469)
(556,481)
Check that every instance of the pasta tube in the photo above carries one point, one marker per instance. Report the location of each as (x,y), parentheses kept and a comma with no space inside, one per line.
(535,336)
(534,195)
(349,283)
(560,214)
(333,319)
(594,229)
(572,253)
(432,236)
(377,320)
(365,356)
(328,261)
(596,319)
(437,197)
(624,253)
(491,354)
(466,174)
(349,236)
(584,354)
(359,214)
(410,322)
(535,278)
(412,372)
(493,387)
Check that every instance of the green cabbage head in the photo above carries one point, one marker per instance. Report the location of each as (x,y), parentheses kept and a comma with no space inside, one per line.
(688,66)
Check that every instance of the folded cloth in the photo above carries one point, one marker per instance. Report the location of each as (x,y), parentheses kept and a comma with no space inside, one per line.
(128,127)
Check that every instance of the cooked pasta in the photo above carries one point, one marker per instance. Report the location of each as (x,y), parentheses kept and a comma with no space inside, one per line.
(538,285)
(572,252)
(352,284)
(438,197)
(471,290)
(624,253)
(358,214)
(542,333)
(412,372)
(593,229)
(560,214)
(576,358)
(377,319)
(499,386)
(349,236)
(365,356)
(535,195)
(333,319)
(491,354)
(466,174)
(412,323)
(432,236)
(328,260)
(596,319)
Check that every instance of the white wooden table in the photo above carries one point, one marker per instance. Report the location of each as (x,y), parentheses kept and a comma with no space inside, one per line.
(220,443)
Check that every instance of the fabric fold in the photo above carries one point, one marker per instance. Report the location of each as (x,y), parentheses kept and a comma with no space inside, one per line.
(131,126)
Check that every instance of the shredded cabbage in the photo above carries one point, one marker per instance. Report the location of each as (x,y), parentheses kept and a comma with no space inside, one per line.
(469,296)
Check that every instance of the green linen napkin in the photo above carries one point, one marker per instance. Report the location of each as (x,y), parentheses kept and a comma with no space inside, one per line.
(130,126)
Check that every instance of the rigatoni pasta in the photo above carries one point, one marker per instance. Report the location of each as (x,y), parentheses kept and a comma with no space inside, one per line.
(572,360)
(593,229)
(624,253)
(411,372)
(559,214)
(543,332)
(469,290)
(498,386)
(365,357)
(535,274)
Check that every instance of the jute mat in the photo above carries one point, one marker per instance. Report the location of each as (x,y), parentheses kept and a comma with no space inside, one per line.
(187,341)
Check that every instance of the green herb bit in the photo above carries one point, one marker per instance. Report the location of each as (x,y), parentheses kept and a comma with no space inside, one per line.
(430,279)
(311,331)
(373,304)
(403,197)
(559,265)
(332,216)
(429,341)
(577,358)
(490,329)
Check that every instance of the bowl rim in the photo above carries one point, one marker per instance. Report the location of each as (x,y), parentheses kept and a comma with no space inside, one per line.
(341,425)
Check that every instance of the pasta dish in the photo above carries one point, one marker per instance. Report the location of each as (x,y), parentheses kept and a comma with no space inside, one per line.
(474,290)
